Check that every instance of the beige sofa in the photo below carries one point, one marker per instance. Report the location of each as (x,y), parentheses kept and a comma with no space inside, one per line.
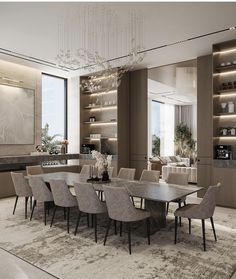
(192,171)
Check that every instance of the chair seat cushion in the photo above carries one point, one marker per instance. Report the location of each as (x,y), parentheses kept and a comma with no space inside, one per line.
(137,215)
(187,211)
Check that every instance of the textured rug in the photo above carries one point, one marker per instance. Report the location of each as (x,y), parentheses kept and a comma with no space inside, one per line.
(67,256)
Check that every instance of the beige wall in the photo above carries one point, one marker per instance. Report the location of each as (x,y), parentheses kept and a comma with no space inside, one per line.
(30,78)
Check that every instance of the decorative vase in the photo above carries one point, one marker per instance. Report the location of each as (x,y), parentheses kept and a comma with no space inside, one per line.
(105,176)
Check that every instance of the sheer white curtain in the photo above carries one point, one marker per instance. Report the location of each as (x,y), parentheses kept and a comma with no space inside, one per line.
(167,129)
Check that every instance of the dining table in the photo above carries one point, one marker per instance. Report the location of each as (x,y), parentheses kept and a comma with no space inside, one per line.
(155,195)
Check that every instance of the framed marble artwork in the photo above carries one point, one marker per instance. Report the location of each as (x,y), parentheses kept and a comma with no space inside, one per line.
(16,115)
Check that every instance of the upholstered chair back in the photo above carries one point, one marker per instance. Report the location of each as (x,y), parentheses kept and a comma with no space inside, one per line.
(208,203)
(40,189)
(61,194)
(87,198)
(126,173)
(21,185)
(31,170)
(178,178)
(119,205)
(150,176)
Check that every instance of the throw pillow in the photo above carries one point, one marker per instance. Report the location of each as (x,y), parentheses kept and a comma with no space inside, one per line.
(178,158)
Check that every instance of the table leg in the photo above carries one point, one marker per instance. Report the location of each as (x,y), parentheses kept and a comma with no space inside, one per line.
(158,215)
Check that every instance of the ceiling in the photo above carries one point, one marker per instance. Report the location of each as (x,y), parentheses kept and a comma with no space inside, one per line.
(31,29)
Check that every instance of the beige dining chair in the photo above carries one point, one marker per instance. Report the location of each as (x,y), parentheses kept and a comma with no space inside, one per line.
(31,170)
(41,193)
(149,176)
(88,202)
(22,189)
(178,179)
(121,209)
(126,173)
(201,211)
(62,198)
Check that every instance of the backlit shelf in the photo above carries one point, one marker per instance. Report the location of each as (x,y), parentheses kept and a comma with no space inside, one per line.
(100,92)
(101,123)
(98,139)
(225,69)
(97,108)
(228,92)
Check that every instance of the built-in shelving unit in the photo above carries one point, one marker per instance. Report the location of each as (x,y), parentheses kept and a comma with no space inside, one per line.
(102,114)
(224,91)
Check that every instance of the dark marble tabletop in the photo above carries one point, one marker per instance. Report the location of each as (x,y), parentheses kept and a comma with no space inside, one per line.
(151,191)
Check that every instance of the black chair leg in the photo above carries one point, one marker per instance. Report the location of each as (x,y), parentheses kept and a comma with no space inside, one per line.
(133,201)
(53,215)
(180,221)
(213,228)
(148,230)
(176,226)
(77,224)
(120,228)
(14,209)
(68,219)
(129,237)
(34,204)
(115,227)
(203,234)
(107,231)
(26,204)
(45,213)
(167,208)
(95,227)
(141,203)
(101,196)
(189,225)
(184,203)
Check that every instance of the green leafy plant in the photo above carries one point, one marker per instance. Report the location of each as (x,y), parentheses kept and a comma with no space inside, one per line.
(156,144)
(49,143)
(185,144)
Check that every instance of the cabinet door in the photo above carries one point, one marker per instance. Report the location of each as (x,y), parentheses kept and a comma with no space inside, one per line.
(204,177)
(138,120)
(227,193)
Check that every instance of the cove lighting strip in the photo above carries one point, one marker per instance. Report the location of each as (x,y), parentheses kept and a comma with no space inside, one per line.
(104,124)
(103,108)
(225,116)
(225,95)
(225,73)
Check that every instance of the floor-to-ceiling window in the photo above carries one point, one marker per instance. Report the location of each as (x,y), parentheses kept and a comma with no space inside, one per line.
(162,128)
(54,103)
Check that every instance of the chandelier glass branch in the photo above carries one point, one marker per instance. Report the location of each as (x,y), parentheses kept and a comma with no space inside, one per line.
(110,36)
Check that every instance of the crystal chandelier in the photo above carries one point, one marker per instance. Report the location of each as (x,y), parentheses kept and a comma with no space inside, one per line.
(103,31)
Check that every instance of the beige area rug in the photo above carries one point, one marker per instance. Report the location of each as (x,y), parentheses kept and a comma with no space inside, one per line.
(68,257)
